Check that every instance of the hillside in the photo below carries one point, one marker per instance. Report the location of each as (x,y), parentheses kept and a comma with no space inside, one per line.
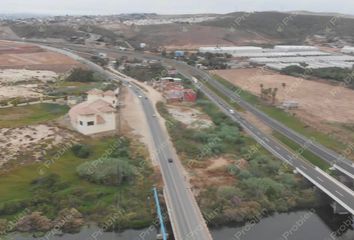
(287,27)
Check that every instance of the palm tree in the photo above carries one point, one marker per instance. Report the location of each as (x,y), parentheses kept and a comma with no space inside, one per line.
(274,94)
(262,91)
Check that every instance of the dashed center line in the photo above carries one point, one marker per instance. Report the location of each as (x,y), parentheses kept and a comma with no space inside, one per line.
(320,179)
(339,193)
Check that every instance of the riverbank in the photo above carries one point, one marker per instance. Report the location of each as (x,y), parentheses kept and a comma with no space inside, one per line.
(289,226)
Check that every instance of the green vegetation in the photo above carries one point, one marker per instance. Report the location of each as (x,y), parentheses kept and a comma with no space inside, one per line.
(145,73)
(82,75)
(74,88)
(108,171)
(31,114)
(261,183)
(302,151)
(81,150)
(332,73)
(55,185)
(198,145)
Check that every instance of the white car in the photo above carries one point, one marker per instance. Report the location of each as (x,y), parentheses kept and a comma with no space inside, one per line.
(231,111)
(140,96)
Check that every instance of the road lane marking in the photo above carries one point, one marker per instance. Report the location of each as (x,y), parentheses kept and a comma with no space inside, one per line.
(320,179)
(339,193)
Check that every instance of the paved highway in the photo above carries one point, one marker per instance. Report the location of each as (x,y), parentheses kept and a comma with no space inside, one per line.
(186,218)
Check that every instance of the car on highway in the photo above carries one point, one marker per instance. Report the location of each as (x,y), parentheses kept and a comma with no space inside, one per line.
(231,111)
(154,115)
(170,160)
(140,96)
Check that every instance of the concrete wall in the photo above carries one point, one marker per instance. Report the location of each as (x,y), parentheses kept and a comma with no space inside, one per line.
(109,125)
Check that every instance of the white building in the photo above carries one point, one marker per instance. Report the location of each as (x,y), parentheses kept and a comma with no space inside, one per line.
(347,49)
(294,48)
(96,115)
(231,50)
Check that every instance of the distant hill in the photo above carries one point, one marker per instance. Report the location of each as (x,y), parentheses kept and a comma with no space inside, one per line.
(287,27)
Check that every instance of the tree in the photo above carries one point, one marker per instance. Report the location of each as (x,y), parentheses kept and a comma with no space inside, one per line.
(81,75)
(108,171)
(262,91)
(274,94)
(283,85)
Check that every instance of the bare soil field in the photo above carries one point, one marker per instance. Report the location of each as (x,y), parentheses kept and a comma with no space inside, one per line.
(11,76)
(192,117)
(30,143)
(211,173)
(27,91)
(24,84)
(318,100)
(21,56)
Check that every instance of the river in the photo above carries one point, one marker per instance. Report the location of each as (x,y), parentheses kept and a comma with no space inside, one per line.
(319,224)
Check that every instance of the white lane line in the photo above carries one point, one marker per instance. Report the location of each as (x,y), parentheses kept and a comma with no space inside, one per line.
(320,179)
(339,193)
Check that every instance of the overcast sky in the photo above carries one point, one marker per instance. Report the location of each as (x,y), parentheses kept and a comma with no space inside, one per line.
(170,6)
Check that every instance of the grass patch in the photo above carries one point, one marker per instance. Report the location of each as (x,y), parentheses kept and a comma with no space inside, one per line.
(301,151)
(31,114)
(95,201)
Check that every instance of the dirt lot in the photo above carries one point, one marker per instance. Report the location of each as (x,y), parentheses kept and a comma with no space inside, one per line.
(192,117)
(21,56)
(212,172)
(318,101)
(30,143)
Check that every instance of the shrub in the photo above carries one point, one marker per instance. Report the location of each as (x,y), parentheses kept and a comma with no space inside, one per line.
(108,171)
(81,75)
(81,150)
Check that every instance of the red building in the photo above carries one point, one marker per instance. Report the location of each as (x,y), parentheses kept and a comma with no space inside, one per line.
(189,95)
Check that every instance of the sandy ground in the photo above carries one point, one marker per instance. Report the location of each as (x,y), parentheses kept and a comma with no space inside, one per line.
(20,91)
(29,144)
(192,117)
(318,100)
(10,76)
(13,83)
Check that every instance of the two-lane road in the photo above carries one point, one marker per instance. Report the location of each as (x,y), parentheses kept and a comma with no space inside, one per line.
(186,218)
